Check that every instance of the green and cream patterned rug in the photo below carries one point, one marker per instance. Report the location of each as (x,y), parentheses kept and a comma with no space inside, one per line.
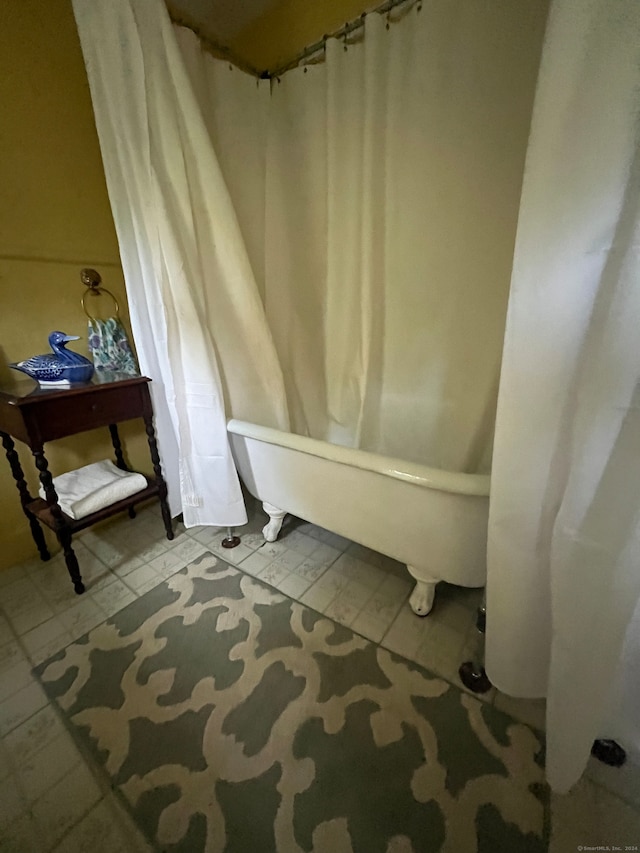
(232,719)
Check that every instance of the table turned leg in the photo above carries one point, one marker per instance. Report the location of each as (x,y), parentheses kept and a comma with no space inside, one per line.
(157,470)
(120,463)
(61,529)
(117,447)
(25,497)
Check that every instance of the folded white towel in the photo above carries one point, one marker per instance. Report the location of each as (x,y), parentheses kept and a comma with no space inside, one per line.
(93,487)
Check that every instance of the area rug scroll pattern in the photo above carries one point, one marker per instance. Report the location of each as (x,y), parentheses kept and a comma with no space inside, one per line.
(233,719)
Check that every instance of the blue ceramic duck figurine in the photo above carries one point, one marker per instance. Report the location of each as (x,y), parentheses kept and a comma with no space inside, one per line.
(60,367)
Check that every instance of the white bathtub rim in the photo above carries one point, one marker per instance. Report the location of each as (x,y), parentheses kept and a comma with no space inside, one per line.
(423,476)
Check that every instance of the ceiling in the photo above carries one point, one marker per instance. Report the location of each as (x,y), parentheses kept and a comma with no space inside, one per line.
(219,21)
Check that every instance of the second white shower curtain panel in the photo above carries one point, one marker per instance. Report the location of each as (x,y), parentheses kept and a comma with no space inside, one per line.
(393,179)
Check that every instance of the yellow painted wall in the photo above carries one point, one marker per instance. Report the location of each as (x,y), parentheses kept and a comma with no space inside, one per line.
(288,26)
(54,219)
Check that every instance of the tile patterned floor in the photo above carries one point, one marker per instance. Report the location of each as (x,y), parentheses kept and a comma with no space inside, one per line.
(49,798)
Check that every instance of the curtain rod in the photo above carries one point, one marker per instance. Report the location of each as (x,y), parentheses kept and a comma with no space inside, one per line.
(223,52)
(212,46)
(342,32)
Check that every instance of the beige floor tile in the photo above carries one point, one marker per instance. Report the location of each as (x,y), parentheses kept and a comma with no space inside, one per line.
(14,679)
(310,569)
(64,805)
(441,651)
(141,577)
(44,635)
(387,564)
(48,766)
(450,612)
(189,550)
(19,596)
(5,762)
(290,560)
(153,528)
(11,575)
(397,588)
(34,564)
(274,574)
(231,555)
(49,649)
(623,781)
(113,597)
(255,563)
(294,586)
(301,543)
(82,617)
(127,566)
(385,606)
(149,551)
(357,570)
(102,832)
(341,611)
(402,641)
(24,742)
(169,562)
(6,633)
(19,707)
(109,554)
(12,802)
(10,655)
(356,594)
(103,582)
(333,540)
(22,836)
(318,598)
(151,585)
(252,540)
(618,822)
(325,555)
(574,820)
(370,627)
(25,620)
(407,621)
(333,581)
(206,535)
(58,590)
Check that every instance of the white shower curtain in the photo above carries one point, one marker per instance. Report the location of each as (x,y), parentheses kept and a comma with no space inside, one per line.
(195,307)
(564,538)
(394,170)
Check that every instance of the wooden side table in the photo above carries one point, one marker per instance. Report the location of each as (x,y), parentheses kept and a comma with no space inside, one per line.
(37,415)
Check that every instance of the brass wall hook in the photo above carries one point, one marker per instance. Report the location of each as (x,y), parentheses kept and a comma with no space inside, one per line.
(92,280)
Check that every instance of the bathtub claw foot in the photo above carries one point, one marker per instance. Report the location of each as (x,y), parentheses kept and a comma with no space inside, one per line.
(421,599)
(272,528)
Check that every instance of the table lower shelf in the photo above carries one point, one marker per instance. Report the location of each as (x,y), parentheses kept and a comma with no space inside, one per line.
(42,510)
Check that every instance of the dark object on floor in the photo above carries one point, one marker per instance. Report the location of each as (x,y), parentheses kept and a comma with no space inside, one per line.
(474,677)
(609,752)
(472,673)
(230,541)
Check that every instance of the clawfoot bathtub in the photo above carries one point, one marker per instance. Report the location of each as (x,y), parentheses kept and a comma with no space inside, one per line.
(434,521)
